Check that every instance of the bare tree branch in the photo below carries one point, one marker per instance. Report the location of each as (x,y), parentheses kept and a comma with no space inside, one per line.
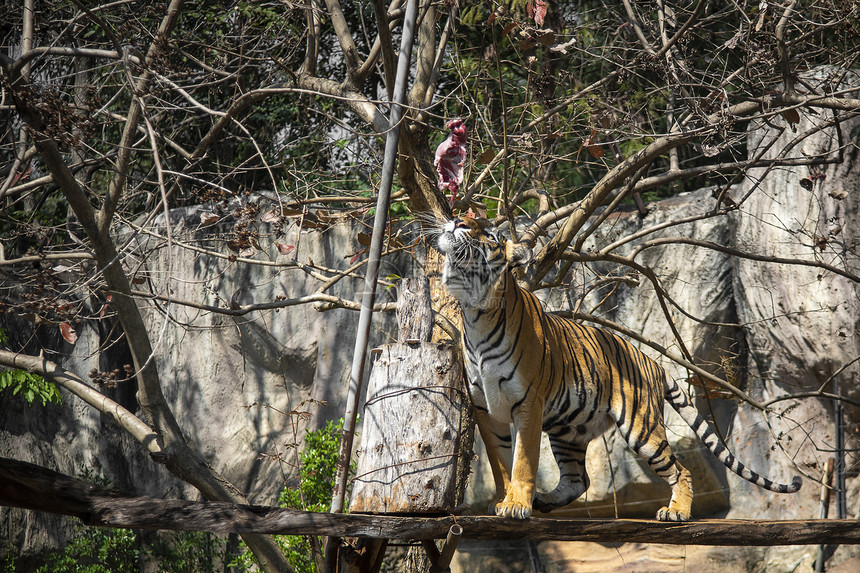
(126,420)
(344,36)
(744,255)
(596,197)
(321,302)
(117,185)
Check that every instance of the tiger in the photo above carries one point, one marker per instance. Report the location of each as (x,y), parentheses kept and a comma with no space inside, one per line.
(541,372)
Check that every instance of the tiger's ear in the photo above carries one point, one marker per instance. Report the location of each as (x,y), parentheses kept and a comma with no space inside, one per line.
(517,254)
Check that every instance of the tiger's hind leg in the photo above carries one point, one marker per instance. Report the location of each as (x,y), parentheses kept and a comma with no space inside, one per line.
(573,479)
(656,451)
(680,506)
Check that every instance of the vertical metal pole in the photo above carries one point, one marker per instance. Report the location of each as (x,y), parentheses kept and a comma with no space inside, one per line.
(369,294)
(839,471)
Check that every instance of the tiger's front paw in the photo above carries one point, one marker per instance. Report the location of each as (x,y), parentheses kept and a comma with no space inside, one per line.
(512,509)
(670,514)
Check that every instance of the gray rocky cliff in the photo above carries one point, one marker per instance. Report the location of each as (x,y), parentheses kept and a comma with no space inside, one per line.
(238,385)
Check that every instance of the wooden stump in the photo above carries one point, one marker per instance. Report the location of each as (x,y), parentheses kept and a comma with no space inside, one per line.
(416,441)
(416,429)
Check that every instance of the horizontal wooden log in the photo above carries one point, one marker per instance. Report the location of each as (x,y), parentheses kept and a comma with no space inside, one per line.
(32,487)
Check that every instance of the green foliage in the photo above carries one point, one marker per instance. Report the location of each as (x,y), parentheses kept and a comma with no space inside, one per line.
(95,550)
(106,550)
(29,387)
(317,470)
(7,565)
(191,552)
(316,482)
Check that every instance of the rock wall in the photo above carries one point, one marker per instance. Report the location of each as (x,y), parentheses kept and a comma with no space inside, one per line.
(800,322)
(232,381)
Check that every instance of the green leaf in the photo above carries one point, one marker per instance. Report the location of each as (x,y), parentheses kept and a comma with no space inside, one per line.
(29,386)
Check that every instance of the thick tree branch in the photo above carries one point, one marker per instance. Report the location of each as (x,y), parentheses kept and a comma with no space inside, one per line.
(126,420)
(151,399)
(27,19)
(425,55)
(344,36)
(384,44)
(174,451)
(450,26)
(312,17)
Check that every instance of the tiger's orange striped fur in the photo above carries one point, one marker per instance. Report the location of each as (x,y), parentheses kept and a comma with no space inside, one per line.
(541,372)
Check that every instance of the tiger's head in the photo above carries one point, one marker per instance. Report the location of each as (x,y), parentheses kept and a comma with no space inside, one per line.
(475,257)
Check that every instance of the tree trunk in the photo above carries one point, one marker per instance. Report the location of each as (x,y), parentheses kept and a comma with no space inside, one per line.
(414,310)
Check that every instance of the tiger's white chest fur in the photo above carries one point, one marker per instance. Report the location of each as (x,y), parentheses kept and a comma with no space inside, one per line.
(492,384)
(486,392)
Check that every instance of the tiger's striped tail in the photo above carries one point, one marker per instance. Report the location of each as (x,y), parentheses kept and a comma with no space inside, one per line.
(679,400)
